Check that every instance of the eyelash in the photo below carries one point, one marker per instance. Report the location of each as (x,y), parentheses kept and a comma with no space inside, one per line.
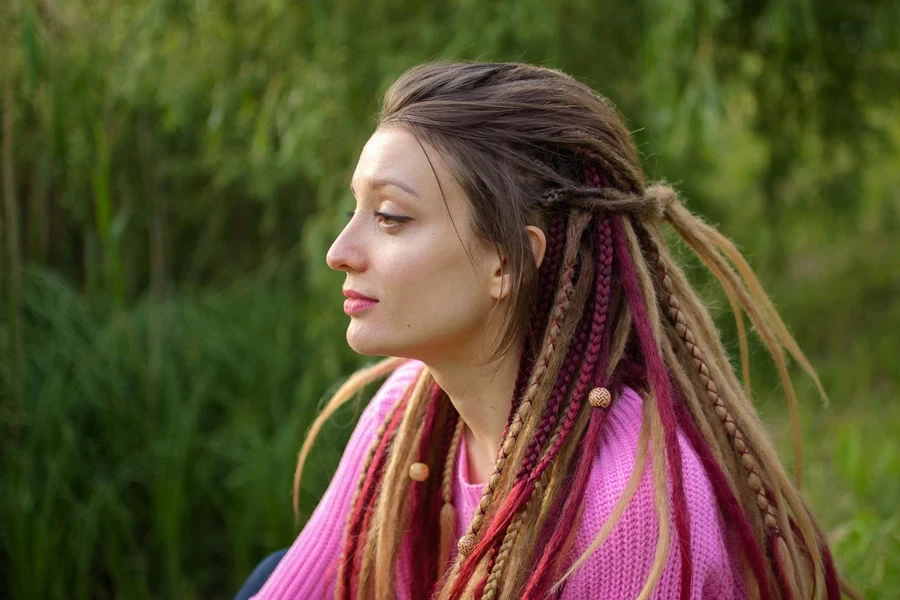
(377,213)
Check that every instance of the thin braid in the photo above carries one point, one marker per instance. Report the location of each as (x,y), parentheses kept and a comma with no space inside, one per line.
(556,244)
(548,274)
(593,351)
(450,461)
(363,493)
(640,294)
(549,419)
(601,289)
(735,435)
(570,516)
(521,380)
(598,328)
(536,445)
(448,511)
(418,494)
(725,495)
(370,454)
(544,429)
(496,568)
(561,307)
(781,550)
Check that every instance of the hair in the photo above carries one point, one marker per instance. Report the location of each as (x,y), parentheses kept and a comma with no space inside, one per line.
(608,307)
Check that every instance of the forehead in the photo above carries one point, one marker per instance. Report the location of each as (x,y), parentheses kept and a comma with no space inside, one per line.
(393,156)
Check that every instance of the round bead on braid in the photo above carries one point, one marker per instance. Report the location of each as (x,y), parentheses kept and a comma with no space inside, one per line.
(735,435)
(418,471)
(600,397)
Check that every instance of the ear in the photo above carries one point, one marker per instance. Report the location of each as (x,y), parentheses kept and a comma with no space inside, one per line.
(501,282)
(538,244)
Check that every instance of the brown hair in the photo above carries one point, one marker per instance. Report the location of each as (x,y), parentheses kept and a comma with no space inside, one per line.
(609,306)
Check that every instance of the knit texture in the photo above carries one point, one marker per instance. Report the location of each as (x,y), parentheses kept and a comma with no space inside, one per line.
(618,569)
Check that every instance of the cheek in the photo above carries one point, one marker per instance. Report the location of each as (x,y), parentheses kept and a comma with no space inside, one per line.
(436,288)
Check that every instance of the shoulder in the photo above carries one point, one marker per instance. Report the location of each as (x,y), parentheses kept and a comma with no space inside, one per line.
(624,560)
(617,455)
(374,414)
(614,464)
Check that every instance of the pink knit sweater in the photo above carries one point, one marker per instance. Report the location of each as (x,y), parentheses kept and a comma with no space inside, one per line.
(618,569)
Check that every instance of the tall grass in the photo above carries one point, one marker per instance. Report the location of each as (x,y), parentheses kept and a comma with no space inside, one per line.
(111,496)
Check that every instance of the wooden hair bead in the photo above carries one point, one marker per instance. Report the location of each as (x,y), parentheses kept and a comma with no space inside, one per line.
(600,397)
(466,544)
(418,471)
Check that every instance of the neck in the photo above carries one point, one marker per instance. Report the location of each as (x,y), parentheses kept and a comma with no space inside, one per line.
(482,394)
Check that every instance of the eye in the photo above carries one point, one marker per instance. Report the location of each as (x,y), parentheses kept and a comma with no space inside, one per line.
(389,221)
(382,218)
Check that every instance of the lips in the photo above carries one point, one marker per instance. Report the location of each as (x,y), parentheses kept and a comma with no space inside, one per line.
(357,296)
(356,302)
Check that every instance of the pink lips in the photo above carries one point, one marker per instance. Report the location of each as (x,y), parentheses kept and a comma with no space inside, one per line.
(356,302)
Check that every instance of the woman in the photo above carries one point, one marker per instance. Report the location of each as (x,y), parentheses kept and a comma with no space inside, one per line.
(561,418)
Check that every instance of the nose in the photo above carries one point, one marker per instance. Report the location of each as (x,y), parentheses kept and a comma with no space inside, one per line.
(346,252)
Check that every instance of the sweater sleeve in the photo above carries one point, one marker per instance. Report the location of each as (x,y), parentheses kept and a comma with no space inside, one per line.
(309,569)
(622,564)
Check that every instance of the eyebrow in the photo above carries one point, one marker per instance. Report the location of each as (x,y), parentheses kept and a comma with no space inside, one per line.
(379,182)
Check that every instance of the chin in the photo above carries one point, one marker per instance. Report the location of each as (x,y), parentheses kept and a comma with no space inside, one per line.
(370,344)
(366,344)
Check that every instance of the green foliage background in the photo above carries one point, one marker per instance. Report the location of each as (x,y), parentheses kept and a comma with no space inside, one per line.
(174,170)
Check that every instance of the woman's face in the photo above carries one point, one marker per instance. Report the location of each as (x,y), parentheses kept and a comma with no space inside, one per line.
(433,283)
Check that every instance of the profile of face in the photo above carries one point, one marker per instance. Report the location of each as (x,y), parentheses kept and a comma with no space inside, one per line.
(434,283)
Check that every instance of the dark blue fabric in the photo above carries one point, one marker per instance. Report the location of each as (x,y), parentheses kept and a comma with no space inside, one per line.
(259,575)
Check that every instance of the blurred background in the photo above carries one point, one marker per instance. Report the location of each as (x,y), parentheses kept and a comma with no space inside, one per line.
(173,172)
